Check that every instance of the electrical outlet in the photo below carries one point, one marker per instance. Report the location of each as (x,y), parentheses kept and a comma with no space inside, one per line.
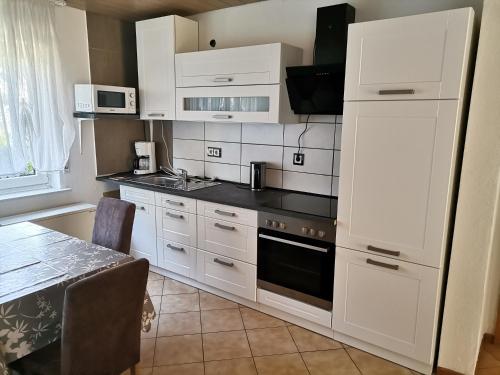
(214,152)
(298,158)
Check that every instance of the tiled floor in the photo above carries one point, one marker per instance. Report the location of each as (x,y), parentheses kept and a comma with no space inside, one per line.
(199,333)
(489,360)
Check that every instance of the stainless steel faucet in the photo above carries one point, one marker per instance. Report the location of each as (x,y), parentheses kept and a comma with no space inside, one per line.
(184,173)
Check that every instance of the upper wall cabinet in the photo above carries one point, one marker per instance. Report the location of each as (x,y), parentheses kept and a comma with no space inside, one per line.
(158,40)
(410,57)
(244,84)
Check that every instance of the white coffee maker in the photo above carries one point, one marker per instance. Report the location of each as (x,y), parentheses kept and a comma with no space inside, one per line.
(145,162)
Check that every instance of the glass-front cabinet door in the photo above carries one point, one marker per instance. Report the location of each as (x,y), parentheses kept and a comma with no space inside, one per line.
(229,103)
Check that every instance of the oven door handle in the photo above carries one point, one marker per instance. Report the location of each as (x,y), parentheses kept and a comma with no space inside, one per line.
(282,240)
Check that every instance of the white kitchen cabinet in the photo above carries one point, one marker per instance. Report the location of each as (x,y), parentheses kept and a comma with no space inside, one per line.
(387,303)
(227,274)
(229,239)
(158,40)
(228,213)
(396,172)
(415,57)
(176,257)
(175,202)
(176,226)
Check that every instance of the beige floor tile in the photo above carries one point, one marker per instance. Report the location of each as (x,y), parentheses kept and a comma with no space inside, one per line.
(286,364)
(372,365)
(329,362)
(221,320)
(147,352)
(487,360)
(187,369)
(493,349)
(268,341)
(240,366)
(186,323)
(155,287)
(173,303)
(154,276)
(178,350)
(209,301)
(225,345)
(139,371)
(153,331)
(488,371)
(176,287)
(156,301)
(255,319)
(308,341)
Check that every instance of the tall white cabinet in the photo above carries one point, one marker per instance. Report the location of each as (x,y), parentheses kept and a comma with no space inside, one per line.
(404,93)
(158,40)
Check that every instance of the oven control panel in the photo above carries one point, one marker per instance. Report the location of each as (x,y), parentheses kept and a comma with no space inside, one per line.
(320,229)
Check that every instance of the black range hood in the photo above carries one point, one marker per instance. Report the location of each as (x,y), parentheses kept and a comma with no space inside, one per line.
(319,88)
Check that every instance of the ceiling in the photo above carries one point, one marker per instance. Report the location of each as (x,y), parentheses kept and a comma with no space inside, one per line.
(134,10)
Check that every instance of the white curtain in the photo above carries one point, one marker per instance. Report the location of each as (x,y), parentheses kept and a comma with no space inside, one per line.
(36,127)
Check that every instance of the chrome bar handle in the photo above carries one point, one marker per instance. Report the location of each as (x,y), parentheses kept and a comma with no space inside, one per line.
(142,208)
(397,92)
(222,117)
(223,79)
(394,267)
(174,216)
(156,114)
(224,213)
(383,251)
(227,264)
(175,247)
(174,203)
(225,227)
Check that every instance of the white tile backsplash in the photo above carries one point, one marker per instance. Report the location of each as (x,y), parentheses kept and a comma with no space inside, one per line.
(194,167)
(335,186)
(230,152)
(336,163)
(188,149)
(319,118)
(264,134)
(316,136)
(338,136)
(311,183)
(188,130)
(315,160)
(223,132)
(226,172)
(272,155)
(274,177)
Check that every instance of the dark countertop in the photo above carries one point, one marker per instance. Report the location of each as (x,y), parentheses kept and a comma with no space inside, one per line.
(282,202)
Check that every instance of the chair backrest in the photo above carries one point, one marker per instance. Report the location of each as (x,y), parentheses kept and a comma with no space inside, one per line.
(102,318)
(114,219)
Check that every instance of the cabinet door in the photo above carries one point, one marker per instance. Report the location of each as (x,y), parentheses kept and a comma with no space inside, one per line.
(155,65)
(143,243)
(416,57)
(176,226)
(177,257)
(396,178)
(385,302)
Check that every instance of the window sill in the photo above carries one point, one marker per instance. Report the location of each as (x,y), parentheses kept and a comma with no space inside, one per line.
(32,193)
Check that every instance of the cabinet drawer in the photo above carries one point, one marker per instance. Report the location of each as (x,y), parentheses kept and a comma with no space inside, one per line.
(225,238)
(227,274)
(176,202)
(176,226)
(177,257)
(134,195)
(385,302)
(228,213)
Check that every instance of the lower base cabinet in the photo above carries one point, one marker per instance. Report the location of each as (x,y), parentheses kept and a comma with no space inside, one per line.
(176,257)
(142,243)
(385,302)
(227,274)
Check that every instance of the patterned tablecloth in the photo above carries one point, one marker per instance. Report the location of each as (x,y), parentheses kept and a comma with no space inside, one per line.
(36,266)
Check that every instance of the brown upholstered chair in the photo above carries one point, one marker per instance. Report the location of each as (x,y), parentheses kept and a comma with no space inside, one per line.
(114,219)
(101,327)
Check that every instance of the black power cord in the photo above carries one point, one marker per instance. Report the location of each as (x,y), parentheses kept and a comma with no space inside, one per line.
(302,134)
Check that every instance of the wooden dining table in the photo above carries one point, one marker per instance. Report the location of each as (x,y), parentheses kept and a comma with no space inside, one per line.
(36,266)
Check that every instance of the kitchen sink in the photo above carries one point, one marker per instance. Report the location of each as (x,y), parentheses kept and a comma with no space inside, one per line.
(174,182)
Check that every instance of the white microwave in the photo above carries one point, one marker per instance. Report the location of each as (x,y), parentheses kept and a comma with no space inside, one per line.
(104,99)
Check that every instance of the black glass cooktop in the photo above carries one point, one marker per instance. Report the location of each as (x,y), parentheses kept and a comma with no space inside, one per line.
(321,206)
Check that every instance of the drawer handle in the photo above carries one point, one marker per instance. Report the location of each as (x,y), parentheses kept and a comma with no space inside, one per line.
(174,203)
(175,247)
(397,92)
(142,208)
(226,227)
(383,251)
(222,117)
(174,216)
(227,264)
(225,213)
(156,114)
(394,267)
(223,79)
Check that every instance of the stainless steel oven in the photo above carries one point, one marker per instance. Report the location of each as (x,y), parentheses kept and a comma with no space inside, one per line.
(296,258)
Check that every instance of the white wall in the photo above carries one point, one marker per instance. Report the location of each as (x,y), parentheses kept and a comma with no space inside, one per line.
(473,282)
(71,27)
